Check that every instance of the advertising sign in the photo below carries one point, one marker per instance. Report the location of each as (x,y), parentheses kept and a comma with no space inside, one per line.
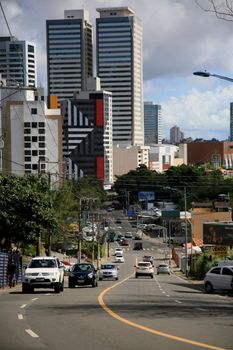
(219,250)
(146,196)
(218,233)
(170,214)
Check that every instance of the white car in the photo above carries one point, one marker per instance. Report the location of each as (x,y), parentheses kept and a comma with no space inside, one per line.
(119,258)
(219,277)
(118,250)
(144,268)
(108,271)
(163,268)
(43,272)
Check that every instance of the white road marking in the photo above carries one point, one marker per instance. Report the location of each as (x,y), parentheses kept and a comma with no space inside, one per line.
(152,248)
(20,316)
(48,294)
(31,333)
(34,299)
(167,295)
(199,308)
(23,306)
(182,279)
(178,301)
(163,292)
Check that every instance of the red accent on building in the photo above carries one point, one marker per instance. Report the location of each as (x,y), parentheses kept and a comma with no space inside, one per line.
(100,168)
(166,166)
(99,112)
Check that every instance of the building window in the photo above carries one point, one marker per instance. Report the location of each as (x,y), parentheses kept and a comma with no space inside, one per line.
(34,111)
(34,138)
(41,131)
(27,153)
(42,152)
(42,166)
(27,145)
(42,145)
(27,166)
(41,138)
(41,125)
(34,125)
(27,159)
(27,125)
(42,159)
(34,153)
(27,131)
(34,166)
(27,138)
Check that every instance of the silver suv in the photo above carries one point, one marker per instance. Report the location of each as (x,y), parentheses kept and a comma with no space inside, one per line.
(43,272)
(219,277)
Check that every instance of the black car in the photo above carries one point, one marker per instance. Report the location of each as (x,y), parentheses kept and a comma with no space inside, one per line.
(137,246)
(83,274)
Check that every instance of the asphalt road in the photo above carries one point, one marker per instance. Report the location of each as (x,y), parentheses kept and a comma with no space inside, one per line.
(162,313)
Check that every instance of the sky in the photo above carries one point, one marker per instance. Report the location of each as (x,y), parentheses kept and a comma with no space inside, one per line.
(178,39)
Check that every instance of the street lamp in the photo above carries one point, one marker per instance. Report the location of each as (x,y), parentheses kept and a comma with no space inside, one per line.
(206,74)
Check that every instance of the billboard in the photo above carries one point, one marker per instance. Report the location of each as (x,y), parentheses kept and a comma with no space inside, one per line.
(146,196)
(170,214)
(218,233)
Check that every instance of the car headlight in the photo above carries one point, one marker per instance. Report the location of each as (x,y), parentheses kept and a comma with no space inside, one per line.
(90,275)
(27,274)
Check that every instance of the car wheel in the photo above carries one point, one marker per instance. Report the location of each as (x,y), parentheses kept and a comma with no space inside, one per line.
(57,288)
(25,288)
(209,288)
(100,278)
(70,285)
(136,276)
(116,278)
(157,273)
(151,276)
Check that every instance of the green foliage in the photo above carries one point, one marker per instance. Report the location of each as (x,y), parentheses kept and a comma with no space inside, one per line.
(25,209)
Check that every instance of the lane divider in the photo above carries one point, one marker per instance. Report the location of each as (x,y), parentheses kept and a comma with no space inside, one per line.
(23,306)
(143,328)
(20,316)
(31,333)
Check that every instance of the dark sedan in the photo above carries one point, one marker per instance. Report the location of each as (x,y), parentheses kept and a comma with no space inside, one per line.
(83,274)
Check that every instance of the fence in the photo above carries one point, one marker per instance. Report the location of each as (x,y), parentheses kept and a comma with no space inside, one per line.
(4,259)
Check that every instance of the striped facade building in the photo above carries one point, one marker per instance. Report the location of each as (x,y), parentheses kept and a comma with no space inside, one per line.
(119,66)
(87,135)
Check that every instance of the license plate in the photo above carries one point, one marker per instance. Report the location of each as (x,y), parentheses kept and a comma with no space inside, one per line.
(80,281)
(40,279)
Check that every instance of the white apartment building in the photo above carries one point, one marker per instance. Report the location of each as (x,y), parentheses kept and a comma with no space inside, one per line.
(17,62)
(119,66)
(69,53)
(34,136)
(162,156)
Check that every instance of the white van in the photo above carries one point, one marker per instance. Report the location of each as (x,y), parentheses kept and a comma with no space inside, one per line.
(219,277)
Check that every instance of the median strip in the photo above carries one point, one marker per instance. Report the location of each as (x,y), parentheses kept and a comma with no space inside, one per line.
(143,328)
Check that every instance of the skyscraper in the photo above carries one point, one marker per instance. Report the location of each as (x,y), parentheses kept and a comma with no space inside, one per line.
(119,66)
(152,123)
(17,61)
(69,53)
(176,135)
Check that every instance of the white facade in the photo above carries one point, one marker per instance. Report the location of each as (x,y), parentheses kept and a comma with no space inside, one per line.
(33,144)
(69,53)
(119,66)
(18,61)
(162,156)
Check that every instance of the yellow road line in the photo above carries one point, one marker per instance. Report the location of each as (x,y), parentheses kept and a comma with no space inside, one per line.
(147,329)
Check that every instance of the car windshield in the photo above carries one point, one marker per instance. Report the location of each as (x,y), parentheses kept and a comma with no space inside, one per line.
(82,267)
(108,267)
(145,264)
(42,263)
(163,265)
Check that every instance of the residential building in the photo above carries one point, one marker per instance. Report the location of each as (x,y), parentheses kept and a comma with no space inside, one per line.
(34,135)
(87,133)
(152,123)
(176,135)
(231,121)
(18,62)
(129,158)
(119,66)
(69,53)
(216,153)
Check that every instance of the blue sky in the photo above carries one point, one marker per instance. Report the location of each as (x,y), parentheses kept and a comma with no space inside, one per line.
(179,38)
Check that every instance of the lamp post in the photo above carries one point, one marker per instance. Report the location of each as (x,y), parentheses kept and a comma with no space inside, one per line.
(206,74)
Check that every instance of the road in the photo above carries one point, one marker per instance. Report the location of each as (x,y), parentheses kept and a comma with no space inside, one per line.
(162,313)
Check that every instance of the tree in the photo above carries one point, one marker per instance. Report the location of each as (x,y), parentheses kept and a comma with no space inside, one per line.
(26,208)
(223,9)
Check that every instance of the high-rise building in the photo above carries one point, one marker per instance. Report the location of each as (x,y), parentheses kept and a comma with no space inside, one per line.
(231,121)
(18,62)
(152,123)
(87,133)
(176,135)
(69,53)
(119,66)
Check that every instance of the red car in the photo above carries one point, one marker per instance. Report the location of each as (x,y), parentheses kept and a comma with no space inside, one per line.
(125,242)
